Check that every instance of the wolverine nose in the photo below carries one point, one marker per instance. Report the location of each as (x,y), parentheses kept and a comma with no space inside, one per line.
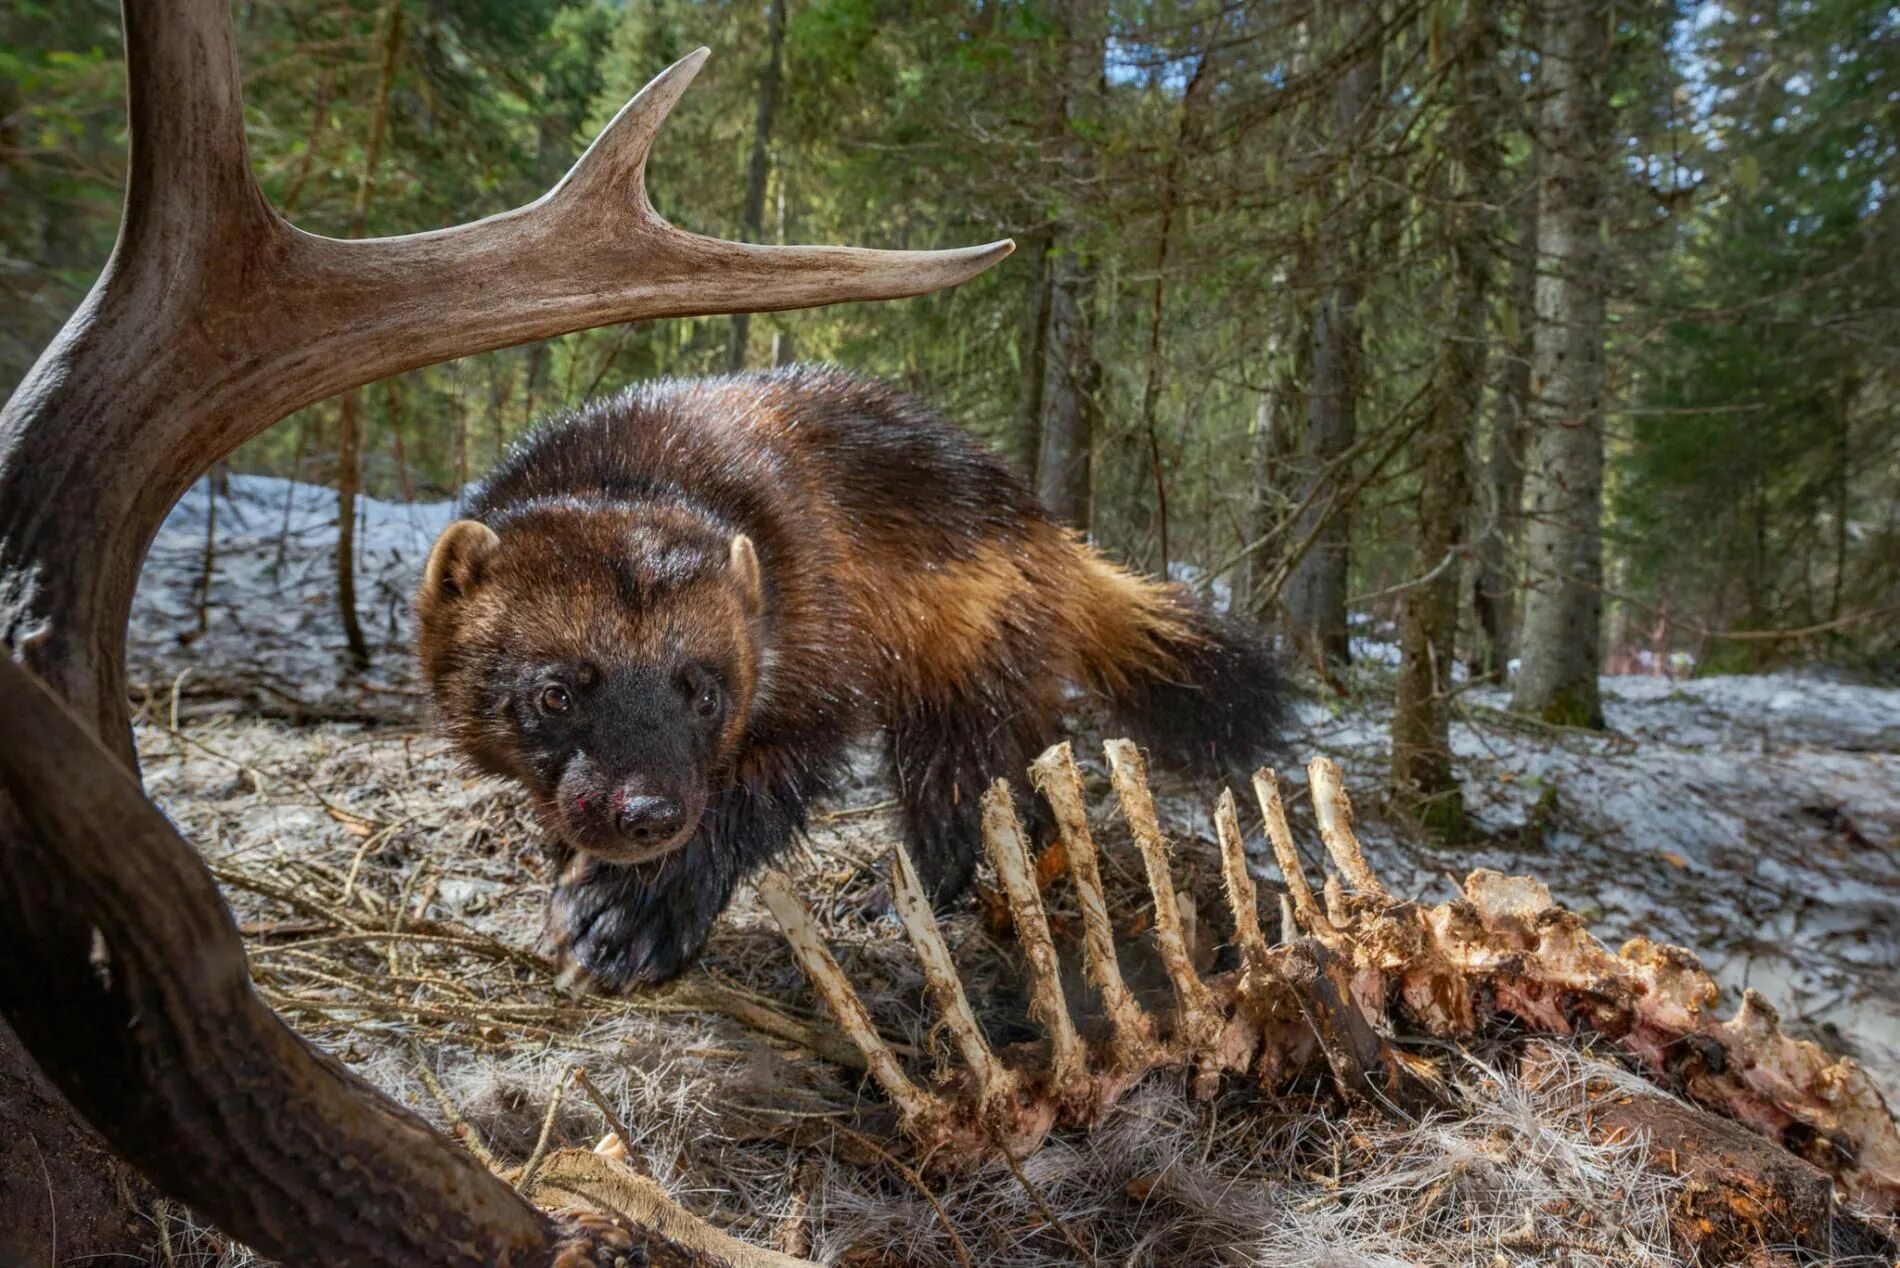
(647,820)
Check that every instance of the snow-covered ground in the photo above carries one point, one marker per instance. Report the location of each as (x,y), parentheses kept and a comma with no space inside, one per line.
(1754,819)
(271,629)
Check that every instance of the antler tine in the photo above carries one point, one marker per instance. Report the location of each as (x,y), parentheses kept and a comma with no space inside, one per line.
(213,319)
(616,161)
(1003,834)
(1266,788)
(940,975)
(1333,808)
(827,977)
(1241,895)
(1060,783)
(1199,1023)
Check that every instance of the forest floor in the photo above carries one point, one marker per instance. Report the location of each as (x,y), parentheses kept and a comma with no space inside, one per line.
(393,906)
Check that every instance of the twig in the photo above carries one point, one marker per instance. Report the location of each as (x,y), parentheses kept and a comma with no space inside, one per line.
(459,1127)
(290,897)
(525,1182)
(917,1183)
(373,841)
(614,1121)
(1035,1197)
(756,1014)
(856,812)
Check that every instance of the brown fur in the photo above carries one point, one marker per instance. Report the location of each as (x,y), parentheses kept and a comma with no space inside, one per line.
(844,561)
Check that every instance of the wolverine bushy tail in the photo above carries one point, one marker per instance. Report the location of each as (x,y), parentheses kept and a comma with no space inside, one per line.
(1195,688)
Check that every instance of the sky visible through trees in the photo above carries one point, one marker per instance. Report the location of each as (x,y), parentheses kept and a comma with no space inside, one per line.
(1560,334)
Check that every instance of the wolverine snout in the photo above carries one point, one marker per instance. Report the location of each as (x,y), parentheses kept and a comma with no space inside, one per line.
(645,820)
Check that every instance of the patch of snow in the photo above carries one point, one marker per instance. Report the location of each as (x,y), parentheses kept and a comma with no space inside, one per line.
(271,628)
(1752,818)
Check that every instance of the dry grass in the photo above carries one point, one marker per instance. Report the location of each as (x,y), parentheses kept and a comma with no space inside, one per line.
(392,909)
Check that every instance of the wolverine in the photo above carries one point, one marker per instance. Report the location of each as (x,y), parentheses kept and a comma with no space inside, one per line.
(669,612)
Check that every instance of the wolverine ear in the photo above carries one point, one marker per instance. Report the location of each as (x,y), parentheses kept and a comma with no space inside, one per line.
(456,559)
(745,572)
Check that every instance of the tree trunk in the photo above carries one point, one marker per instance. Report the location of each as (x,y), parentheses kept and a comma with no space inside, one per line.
(208,565)
(397,450)
(1266,496)
(1499,536)
(1560,644)
(1316,591)
(1423,785)
(1495,594)
(784,344)
(290,495)
(1026,441)
(458,444)
(759,165)
(1072,377)
(1151,379)
(348,474)
(1842,482)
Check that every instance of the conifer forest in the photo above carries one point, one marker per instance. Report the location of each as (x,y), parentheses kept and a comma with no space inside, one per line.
(1527,373)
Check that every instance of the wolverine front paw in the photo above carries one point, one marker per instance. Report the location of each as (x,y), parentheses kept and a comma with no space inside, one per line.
(617,926)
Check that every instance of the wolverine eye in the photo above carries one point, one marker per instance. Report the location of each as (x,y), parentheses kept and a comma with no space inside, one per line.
(554,699)
(706,703)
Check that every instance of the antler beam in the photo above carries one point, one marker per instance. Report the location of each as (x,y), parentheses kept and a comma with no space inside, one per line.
(213,319)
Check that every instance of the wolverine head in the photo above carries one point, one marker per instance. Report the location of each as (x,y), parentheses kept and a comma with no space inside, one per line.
(606,656)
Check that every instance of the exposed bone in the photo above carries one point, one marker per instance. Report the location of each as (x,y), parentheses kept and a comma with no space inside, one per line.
(994,1083)
(1056,778)
(1335,891)
(1503,950)
(827,977)
(1197,1021)
(1241,896)
(609,1184)
(1004,837)
(1334,810)
(1306,910)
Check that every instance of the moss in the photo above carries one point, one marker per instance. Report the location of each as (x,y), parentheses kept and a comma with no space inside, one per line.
(1574,708)
(1444,818)
(1541,817)
(1440,813)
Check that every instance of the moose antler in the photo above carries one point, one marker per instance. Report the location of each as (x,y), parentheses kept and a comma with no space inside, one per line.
(1345,974)
(213,319)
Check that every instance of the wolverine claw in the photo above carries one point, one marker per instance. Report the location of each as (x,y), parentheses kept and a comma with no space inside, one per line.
(614,929)
(574,980)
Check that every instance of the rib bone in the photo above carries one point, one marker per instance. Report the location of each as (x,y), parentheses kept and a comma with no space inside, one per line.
(1334,810)
(1266,789)
(1004,836)
(1323,1000)
(994,1083)
(917,1106)
(1239,887)
(1056,778)
(1197,1021)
